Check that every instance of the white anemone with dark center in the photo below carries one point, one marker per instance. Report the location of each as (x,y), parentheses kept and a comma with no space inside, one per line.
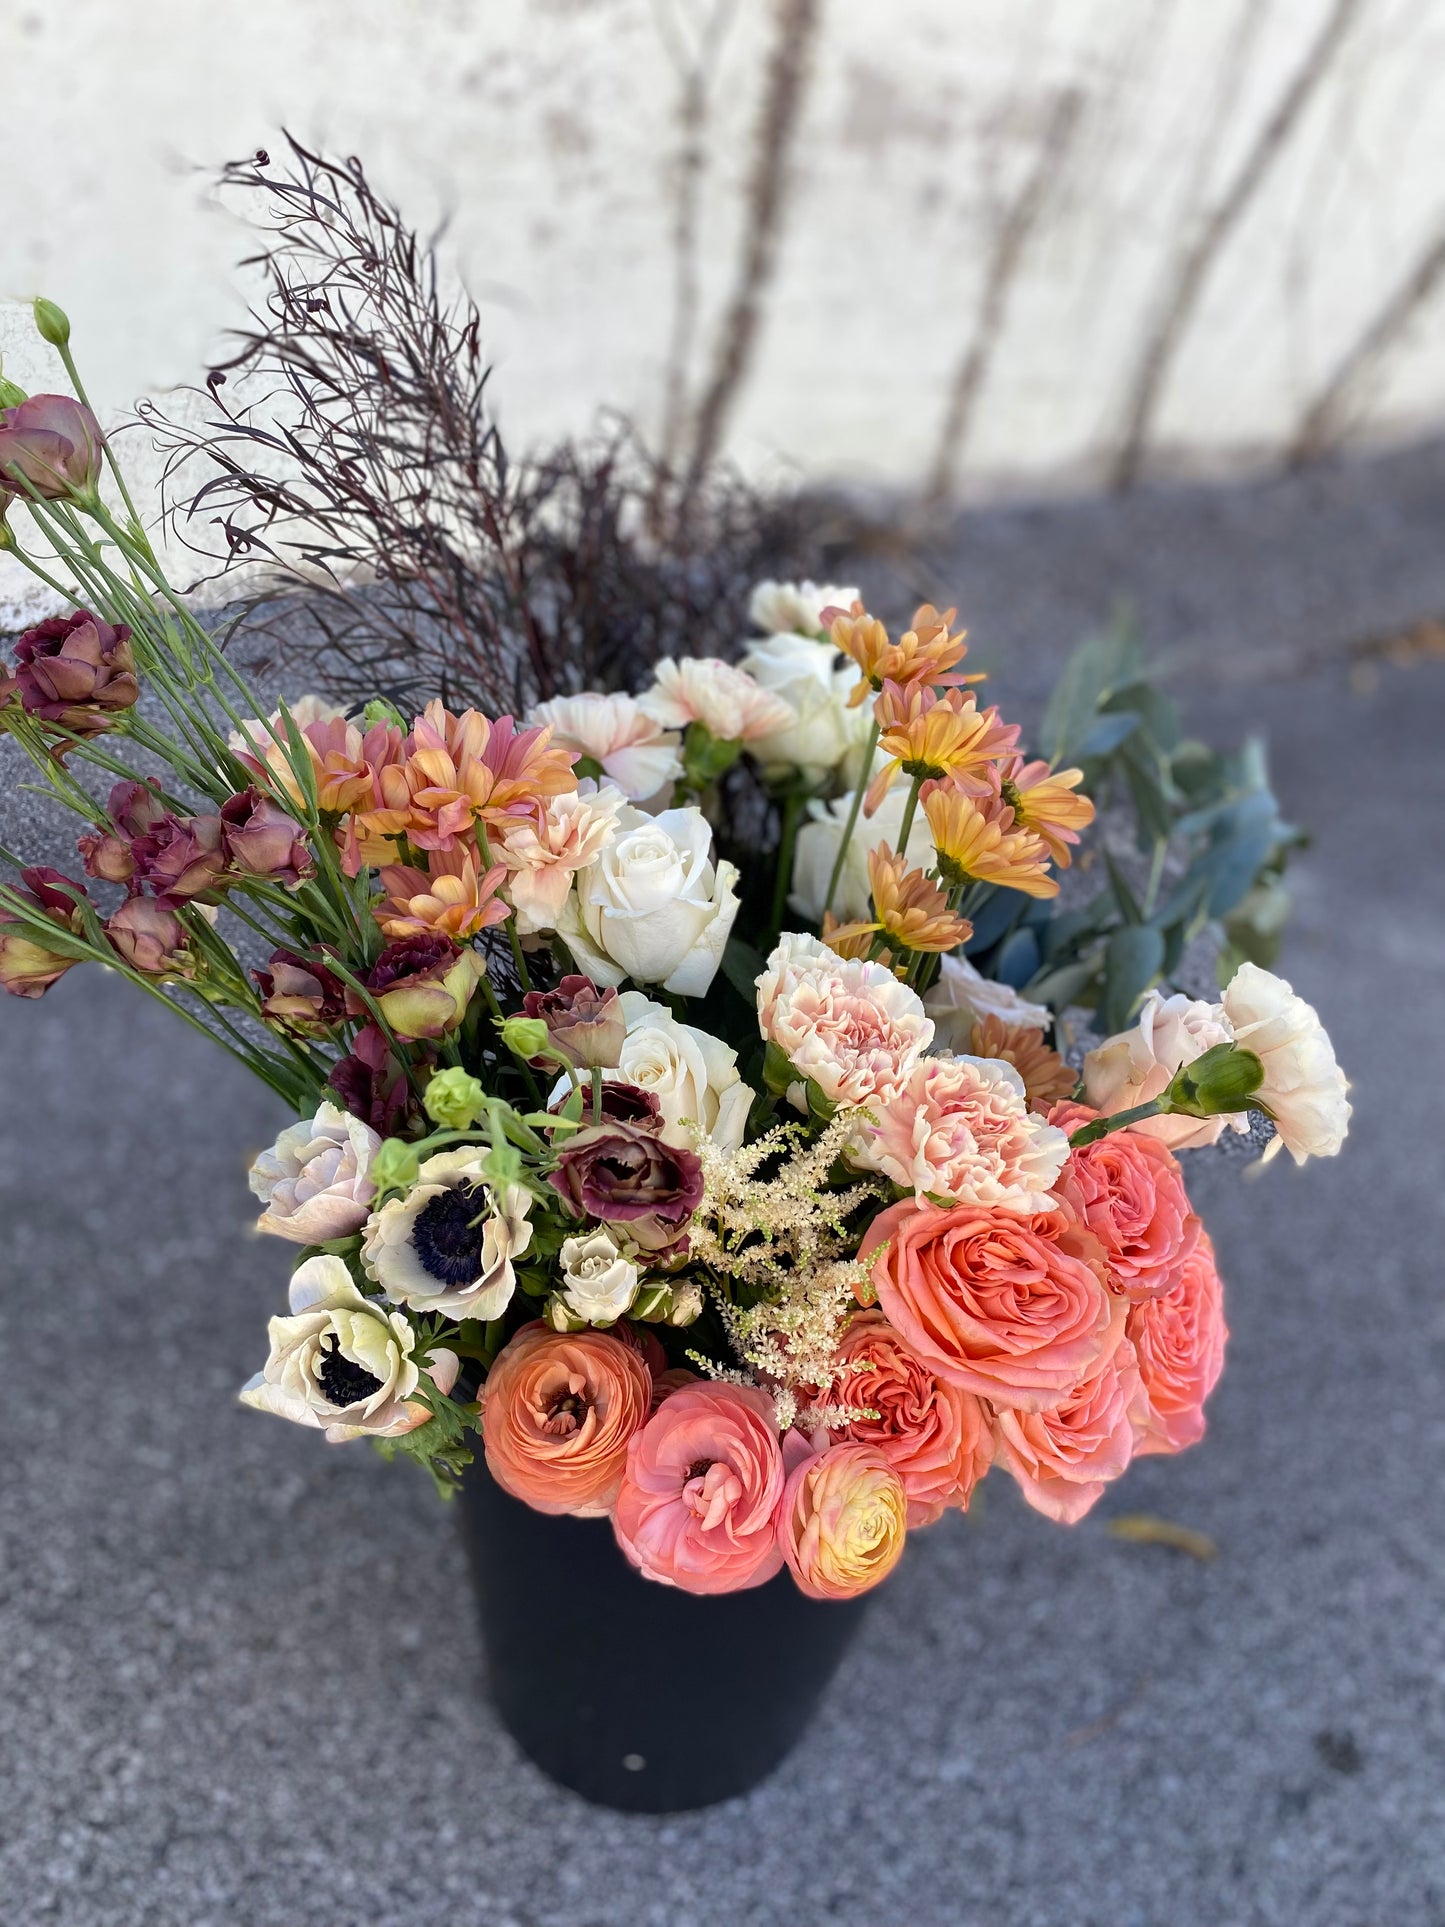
(449,1244)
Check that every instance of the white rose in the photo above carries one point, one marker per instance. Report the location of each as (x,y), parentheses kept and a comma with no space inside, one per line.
(1303,1085)
(1138,1065)
(815,679)
(314,1181)
(620,737)
(652,907)
(448,1245)
(780,607)
(599,1284)
(961,996)
(816,851)
(693,1075)
(543,859)
(726,700)
(343,1363)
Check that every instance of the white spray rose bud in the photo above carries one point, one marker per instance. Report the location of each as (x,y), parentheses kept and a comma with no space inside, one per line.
(599,1284)
(315,1181)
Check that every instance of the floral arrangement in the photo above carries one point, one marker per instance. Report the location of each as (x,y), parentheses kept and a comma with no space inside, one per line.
(766,1235)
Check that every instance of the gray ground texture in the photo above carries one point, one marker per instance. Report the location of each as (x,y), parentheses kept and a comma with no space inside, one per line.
(242,1686)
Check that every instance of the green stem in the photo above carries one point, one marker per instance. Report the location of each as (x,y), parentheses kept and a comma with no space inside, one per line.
(906,825)
(859,791)
(111,463)
(792,814)
(1102,1126)
(596,1094)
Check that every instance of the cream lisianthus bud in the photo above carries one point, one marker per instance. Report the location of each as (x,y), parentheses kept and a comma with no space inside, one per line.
(653,907)
(342,1362)
(599,1283)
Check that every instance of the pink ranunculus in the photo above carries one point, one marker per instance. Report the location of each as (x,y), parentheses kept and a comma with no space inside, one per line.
(559,1413)
(961,1128)
(936,1437)
(699,1500)
(993,1302)
(1179,1341)
(1129,1192)
(843,1520)
(1063,1458)
(847,1025)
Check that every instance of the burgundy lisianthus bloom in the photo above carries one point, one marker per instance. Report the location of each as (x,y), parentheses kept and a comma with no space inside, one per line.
(422,985)
(178,857)
(73,670)
(264,841)
(52,443)
(136,811)
(373,1086)
(584,1023)
(150,937)
(300,994)
(626,1174)
(621,1104)
(28,967)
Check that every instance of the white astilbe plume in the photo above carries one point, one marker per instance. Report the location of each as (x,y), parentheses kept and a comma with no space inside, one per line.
(770,1229)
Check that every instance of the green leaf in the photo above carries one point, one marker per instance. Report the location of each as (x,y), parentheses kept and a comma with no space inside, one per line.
(1128,903)
(742,966)
(1064,986)
(1133,958)
(1096,668)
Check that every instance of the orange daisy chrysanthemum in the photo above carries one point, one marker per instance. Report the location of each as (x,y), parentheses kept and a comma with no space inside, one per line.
(854,941)
(909,911)
(977,840)
(922,654)
(1046,1076)
(1043,801)
(933,736)
(459,770)
(452,895)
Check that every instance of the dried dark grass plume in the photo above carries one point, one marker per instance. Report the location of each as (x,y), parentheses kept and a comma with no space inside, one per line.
(347,447)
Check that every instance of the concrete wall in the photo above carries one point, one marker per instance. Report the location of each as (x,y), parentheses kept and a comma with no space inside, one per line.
(980,210)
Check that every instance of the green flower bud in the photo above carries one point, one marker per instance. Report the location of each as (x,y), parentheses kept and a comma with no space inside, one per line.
(379,710)
(652,1304)
(503,1164)
(686,1306)
(560,1315)
(525,1036)
(1223,1079)
(11,395)
(396,1165)
(52,322)
(454,1099)
(705,757)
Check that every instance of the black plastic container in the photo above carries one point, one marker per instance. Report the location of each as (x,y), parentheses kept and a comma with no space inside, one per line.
(636,1695)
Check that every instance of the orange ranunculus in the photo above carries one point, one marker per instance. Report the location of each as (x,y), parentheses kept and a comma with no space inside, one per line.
(843,1521)
(558,1413)
(935,1436)
(991,1301)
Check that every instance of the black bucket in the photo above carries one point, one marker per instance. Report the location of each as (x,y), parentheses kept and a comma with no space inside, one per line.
(633,1694)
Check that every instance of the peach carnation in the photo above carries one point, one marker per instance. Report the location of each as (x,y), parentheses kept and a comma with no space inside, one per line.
(843,1521)
(992,1302)
(847,1025)
(1129,1192)
(1063,1458)
(935,1436)
(729,703)
(960,1128)
(558,1413)
(699,1498)
(1179,1340)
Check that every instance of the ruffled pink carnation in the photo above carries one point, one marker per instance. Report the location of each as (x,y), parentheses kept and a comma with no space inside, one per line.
(1179,1339)
(1063,1458)
(936,1437)
(848,1025)
(699,1498)
(993,1302)
(1128,1190)
(960,1128)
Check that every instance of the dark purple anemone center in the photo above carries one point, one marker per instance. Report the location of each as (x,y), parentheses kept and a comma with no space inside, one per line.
(342,1381)
(447,1235)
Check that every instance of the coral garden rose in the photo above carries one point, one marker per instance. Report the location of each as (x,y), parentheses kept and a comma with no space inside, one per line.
(692,1074)
(1303,1087)
(847,1025)
(558,1413)
(962,997)
(653,906)
(315,1180)
(725,700)
(699,1499)
(1063,1458)
(450,1243)
(1129,1192)
(615,737)
(1138,1065)
(992,1302)
(935,1436)
(1179,1342)
(843,1521)
(960,1128)
(628,1175)
(344,1363)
